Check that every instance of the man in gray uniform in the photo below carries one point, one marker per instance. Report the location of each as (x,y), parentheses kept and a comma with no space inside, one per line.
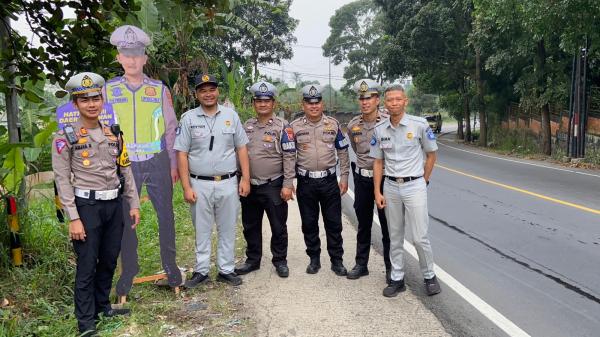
(208,138)
(318,140)
(401,141)
(272,152)
(360,130)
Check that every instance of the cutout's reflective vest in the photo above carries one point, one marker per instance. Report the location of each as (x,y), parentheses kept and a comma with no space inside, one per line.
(139,113)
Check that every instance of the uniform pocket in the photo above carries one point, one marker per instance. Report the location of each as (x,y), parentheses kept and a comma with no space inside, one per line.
(303,139)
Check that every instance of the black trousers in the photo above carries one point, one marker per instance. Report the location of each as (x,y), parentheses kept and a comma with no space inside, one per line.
(364,202)
(156,174)
(323,192)
(96,257)
(265,199)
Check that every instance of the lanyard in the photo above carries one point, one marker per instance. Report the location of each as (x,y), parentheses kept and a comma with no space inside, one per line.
(210,128)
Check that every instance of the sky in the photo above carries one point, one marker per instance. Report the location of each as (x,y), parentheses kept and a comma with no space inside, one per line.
(311,32)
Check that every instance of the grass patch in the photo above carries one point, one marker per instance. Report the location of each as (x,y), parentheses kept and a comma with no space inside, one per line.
(517,142)
(41,292)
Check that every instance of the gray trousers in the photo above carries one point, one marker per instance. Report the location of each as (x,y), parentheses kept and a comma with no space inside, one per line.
(156,174)
(406,204)
(217,202)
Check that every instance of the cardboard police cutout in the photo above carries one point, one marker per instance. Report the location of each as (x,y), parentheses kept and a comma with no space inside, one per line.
(147,119)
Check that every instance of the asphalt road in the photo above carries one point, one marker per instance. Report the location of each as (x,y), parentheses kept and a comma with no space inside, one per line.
(522,235)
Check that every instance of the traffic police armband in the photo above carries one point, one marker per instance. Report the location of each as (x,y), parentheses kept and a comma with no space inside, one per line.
(123,160)
(341,142)
(288,144)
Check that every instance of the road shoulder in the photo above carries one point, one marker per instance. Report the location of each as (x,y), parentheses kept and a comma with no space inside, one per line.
(325,304)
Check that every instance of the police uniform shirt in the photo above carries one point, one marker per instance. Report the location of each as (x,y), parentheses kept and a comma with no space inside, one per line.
(93,162)
(317,144)
(402,147)
(271,149)
(360,133)
(194,137)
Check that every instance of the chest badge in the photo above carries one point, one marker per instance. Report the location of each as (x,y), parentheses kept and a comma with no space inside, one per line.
(83,131)
(86,162)
(149,91)
(356,128)
(85,154)
(409,135)
(228,123)
(82,141)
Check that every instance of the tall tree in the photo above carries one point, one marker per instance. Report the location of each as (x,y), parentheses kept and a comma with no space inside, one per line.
(428,39)
(357,37)
(267,38)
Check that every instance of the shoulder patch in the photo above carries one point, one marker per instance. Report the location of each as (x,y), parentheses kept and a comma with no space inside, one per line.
(60,144)
(373,140)
(430,134)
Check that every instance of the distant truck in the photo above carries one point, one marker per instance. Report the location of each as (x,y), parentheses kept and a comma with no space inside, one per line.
(435,122)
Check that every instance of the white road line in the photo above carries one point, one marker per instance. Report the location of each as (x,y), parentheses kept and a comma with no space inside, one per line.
(520,162)
(485,309)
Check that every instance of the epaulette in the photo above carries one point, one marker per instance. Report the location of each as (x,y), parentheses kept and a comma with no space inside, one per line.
(114,80)
(356,119)
(381,122)
(280,120)
(297,120)
(154,82)
(332,119)
(186,113)
(417,119)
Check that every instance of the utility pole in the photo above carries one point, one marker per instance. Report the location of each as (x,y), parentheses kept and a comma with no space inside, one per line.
(12,106)
(330,89)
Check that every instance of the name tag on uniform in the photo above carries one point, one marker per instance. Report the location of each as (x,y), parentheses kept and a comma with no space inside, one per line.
(199,133)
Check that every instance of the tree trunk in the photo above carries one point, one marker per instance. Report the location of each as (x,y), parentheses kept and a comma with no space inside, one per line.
(546,131)
(255,64)
(480,102)
(466,110)
(459,132)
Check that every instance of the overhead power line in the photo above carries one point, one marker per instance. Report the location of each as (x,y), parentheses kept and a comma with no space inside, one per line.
(302,73)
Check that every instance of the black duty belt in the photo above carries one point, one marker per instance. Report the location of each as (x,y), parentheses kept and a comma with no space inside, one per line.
(214,178)
(260,182)
(403,179)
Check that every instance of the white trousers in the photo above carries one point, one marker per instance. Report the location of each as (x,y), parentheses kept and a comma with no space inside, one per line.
(406,205)
(217,202)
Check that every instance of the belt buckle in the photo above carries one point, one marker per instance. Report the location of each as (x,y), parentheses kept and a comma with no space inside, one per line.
(217,178)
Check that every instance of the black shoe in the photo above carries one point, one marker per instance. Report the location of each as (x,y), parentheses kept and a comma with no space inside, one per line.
(117,312)
(231,279)
(388,276)
(339,269)
(246,268)
(282,270)
(196,280)
(357,272)
(394,288)
(432,286)
(314,266)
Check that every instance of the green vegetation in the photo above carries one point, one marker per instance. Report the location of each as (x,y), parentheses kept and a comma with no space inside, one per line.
(41,294)
(477,56)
